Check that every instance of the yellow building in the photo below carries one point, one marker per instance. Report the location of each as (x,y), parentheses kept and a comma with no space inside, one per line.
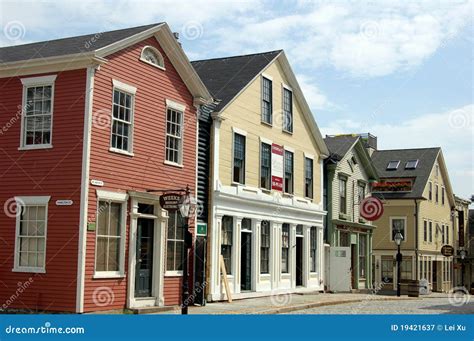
(418,201)
(265,211)
(462,264)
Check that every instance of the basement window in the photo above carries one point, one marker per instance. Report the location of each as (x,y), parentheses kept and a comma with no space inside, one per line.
(393,165)
(411,164)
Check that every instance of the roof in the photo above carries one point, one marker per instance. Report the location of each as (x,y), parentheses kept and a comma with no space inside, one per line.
(426,157)
(67,46)
(339,145)
(227,77)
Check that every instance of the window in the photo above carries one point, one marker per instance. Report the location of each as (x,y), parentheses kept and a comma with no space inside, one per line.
(442,234)
(393,165)
(313,242)
(266,166)
(30,243)
(436,193)
(308,178)
(226,243)
(362,255)
(425,230)
(387,270)
(239,158)
(152,56)
(411,164)
(267,97)
(398,225)
(122,113)
(447,234)
(288,172)
(37,114)
(109,237)
(360,192)
(442,195)
(431,231)
(430,191)
(287,110)
(436,170)
(174,136)
(265,247)
(342,195)
(175,242)
(406,268)
(285,245)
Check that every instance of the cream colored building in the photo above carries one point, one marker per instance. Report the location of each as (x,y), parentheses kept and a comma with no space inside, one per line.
(461,230)
(418,201)
(265,200)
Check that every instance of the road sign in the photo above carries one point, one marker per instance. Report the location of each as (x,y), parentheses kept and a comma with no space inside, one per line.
(201,229)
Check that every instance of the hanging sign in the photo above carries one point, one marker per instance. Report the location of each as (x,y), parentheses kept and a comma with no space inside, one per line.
(371,208)
(447,251)
(170,201)
(277,167)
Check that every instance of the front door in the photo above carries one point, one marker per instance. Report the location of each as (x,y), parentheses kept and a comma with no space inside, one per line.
(246,262)
(299,261)
(340,269)
(144,267)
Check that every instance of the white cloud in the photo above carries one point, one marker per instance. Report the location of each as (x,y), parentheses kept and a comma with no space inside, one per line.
(313,95)
(452,130)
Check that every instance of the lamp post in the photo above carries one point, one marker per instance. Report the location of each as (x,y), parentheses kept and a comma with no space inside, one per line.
(462,253)
(398,240)
(186,207)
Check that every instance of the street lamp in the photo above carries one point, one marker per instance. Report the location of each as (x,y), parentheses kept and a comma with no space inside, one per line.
(398,240)
(463,254)
(186,208)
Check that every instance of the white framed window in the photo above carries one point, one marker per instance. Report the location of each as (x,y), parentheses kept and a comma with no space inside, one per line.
(267,100)
(152,56)
(175,244)
(30,239)
(287,110)
(110,234)
(174,133)
(239,151)
(285,247)
(227,242)
(265,247)
(398,224)
(37,112)
(313,248)
(122,118)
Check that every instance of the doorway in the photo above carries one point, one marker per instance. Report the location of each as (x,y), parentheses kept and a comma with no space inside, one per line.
(246,261)
(353,266)
(144,263)
(299,261)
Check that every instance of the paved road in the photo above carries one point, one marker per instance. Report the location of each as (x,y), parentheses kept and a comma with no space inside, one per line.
(416,306)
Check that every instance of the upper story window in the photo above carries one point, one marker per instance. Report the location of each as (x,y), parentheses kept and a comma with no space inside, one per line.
(430,191)
(287,110)
(30,243)
(442,195)
(436,193)
(37,113)
(267,96)
(239,159)
(398,225)
(122,117)
(266,166)
(308,178)
(288,186)
(174,136)
(361,192)
(436,170)
(152,56)
(393,165)
(343,195)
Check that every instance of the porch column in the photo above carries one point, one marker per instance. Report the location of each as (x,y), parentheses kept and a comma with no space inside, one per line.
(292,255)
(276,254)
(306,254)
(214,266)
(236,253)
(162,229)
(256,225)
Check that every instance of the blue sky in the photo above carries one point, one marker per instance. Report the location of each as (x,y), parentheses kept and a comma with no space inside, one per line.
(402,70)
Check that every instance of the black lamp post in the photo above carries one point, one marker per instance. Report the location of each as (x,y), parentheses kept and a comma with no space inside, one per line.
(398,240)
(186,207)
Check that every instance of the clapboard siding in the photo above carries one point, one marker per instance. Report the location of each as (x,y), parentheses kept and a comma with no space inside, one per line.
(146,169)
(54,172)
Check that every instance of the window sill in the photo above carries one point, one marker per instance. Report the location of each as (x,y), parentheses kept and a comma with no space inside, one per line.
(108,275)
(287,132)
(33,147)
(119,151)
(265,190)
(173,273)
(288,195)
(236,184)
(270,125)
(157,66)
(30,270)
(174,164)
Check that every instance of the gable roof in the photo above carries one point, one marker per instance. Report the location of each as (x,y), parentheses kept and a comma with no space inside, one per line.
(226,77)
(68,46)
(427,158)
(92,49)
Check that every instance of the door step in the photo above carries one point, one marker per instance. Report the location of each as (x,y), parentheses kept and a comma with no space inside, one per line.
(151,310)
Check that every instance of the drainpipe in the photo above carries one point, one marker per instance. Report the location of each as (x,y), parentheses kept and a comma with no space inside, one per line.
(416,237)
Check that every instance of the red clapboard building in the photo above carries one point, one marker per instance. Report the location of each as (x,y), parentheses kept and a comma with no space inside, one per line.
(91,127)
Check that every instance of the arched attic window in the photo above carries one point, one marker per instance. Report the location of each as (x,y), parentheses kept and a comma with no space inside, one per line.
(152,56)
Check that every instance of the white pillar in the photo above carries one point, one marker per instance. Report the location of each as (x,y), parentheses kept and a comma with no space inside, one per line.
(306,254)
(215,289)
(292,255)
(276,254)
(256,225)
(236,250)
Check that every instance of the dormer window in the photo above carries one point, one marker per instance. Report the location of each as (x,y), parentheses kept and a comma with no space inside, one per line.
(393,165)
(411,164)
(151,55)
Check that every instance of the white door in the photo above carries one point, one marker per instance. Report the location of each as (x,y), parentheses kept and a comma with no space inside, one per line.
(340,269)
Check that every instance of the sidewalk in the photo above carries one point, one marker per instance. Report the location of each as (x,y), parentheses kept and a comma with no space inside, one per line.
(284,303)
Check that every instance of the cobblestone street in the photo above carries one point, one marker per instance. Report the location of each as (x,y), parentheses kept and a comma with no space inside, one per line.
(417,306)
